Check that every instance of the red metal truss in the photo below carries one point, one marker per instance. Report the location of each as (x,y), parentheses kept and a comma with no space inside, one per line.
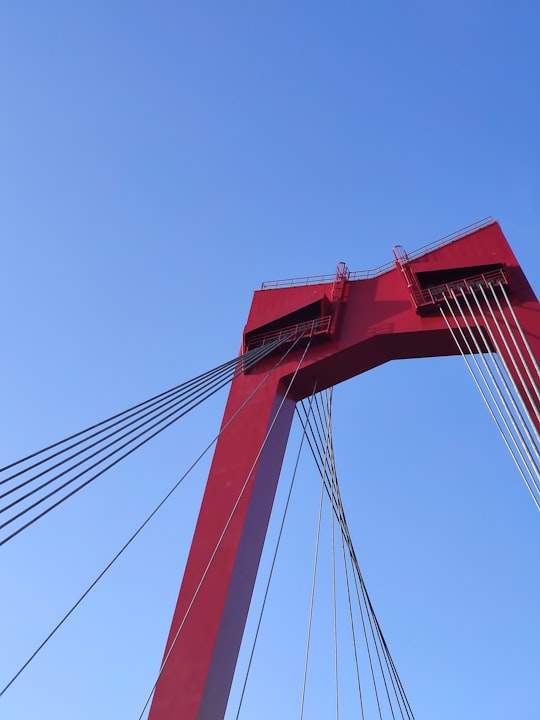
(356,325)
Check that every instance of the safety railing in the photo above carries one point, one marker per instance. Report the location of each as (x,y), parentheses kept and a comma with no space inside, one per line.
(291,332)
(342,273)
(368,274)
(296,282)
(439,293)
(447,239)
(325,279)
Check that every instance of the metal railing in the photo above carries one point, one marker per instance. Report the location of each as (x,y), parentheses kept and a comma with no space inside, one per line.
(367,274)
(325,279)
(291,332)
(447,239)
(438,293)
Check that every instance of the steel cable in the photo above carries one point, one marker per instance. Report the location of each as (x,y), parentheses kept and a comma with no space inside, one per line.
(534,383)
(185,389)
(505,411)
(313,581)
(353,630)
(499,354)
(340,513)
(140,527)
(166,420)
(312,439)
(146,403)
(505,433)
(160,410)
(178,401)
(520,330)
(517,412)
(372,637)
(395,681)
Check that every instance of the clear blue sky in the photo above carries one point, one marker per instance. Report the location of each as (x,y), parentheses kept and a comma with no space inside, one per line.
(157,162)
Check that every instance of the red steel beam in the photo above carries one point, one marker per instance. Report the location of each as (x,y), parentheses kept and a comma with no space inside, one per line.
(378,322)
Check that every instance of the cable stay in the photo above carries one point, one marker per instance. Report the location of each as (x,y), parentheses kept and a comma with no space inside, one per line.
(383,695)
(379,691)
(158,507)
(33,486)
(500,360)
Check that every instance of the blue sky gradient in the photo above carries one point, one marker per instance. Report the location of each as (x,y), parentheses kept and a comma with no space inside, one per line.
(158,162)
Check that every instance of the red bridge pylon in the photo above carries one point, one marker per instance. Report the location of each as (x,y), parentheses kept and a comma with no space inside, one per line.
(343,325)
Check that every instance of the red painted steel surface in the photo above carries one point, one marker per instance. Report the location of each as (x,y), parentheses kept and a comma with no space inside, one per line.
(378,323)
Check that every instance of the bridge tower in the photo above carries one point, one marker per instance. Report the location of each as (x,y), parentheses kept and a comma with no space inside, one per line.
(337,327)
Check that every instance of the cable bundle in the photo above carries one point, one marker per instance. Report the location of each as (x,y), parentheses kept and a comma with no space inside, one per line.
(238,365)
(33,486)
(385,691)
(484,325)
(383,694)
